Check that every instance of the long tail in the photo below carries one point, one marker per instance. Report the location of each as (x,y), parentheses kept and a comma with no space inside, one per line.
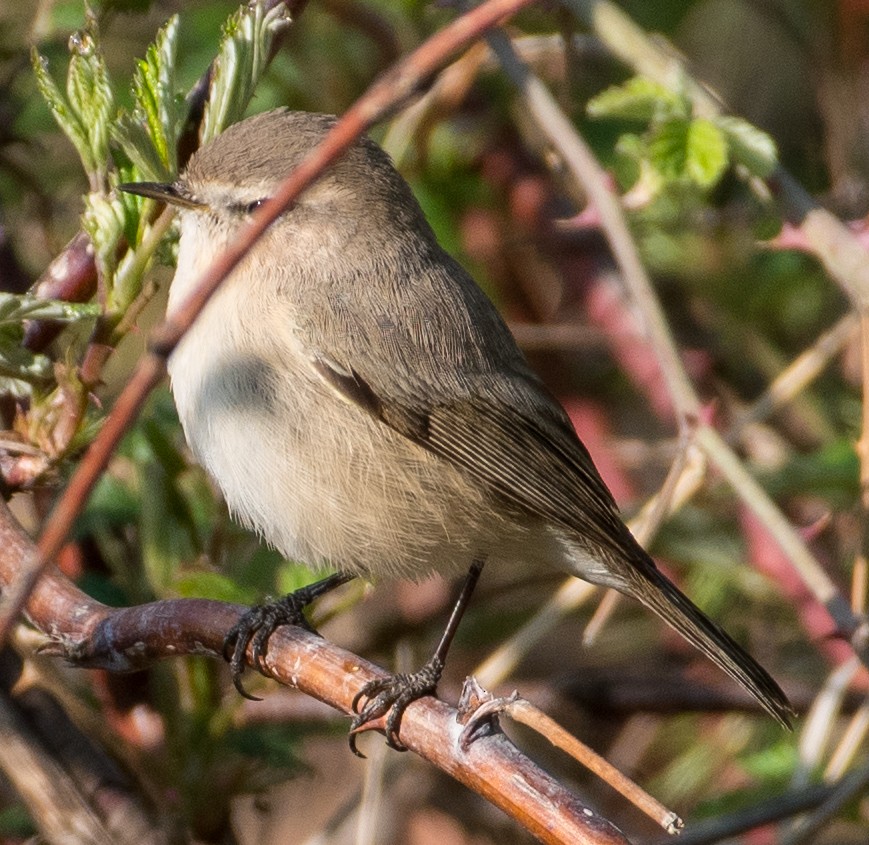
(649,586)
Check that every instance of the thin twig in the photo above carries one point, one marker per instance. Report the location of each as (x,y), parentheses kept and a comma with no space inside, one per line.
(768,811)
(853,738)
(850,787)
(644,527)
(844,257)
(841,252)
(570,596)
(791,381)
(524,712)
(581,162)
(765,509)
(819,723)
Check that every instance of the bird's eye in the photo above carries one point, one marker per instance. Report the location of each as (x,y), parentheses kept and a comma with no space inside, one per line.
(251,207)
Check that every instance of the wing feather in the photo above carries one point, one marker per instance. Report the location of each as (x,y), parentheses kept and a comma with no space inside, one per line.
(541,468)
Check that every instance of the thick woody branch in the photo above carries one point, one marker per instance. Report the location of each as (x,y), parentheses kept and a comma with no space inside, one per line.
(91,634)
(64,779)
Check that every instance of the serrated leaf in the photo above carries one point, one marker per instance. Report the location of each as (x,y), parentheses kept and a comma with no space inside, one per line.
(149,134)
(64,116)
(640,98)
(244,53)
(85,113)
(706,153)
(154,88)
(130,135)
(749,146)
(90,96)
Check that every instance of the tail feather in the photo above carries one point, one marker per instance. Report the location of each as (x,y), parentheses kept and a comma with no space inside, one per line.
(655,591)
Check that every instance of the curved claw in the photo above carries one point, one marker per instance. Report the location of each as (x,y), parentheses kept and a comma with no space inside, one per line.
(239,686)
(390,697)
(255,626)
(382,700)
(253,630)
(369,691)
(237,641)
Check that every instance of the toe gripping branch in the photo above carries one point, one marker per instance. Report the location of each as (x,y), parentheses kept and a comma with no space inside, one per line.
(393,695)
(255,627)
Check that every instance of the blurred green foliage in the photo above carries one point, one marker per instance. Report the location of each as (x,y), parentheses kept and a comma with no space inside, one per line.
(155,527)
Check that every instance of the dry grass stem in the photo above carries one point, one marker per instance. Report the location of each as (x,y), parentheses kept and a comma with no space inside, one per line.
(525,713)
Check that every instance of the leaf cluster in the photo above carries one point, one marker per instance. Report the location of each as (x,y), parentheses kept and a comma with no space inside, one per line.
(678,146)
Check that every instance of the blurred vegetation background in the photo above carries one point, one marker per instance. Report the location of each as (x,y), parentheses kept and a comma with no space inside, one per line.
(742,304)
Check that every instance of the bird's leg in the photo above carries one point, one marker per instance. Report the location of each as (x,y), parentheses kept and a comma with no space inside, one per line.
(393,695)
(256,626)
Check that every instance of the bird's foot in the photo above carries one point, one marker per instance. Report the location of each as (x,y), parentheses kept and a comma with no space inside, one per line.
(392,696)
(255,627)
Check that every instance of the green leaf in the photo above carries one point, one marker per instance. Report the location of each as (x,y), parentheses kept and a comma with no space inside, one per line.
(749,146)
(103,219)
(149,135)
(706,153)
(668,148)
(64,116)
(20,368)
(111,508)
(90,95)
(85,113)
(17,307)
(777,762)
(640,98)
(693,150)
(204,584)
(244,53)
(631,154)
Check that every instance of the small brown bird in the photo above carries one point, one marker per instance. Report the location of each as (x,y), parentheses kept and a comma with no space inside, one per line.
(362,405)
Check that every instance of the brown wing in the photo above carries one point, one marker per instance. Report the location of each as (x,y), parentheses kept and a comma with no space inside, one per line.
(538,465)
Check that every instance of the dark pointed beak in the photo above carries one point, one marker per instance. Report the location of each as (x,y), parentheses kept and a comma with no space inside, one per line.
(167,192)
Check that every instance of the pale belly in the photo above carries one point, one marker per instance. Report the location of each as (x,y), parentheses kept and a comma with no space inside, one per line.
(328,485)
